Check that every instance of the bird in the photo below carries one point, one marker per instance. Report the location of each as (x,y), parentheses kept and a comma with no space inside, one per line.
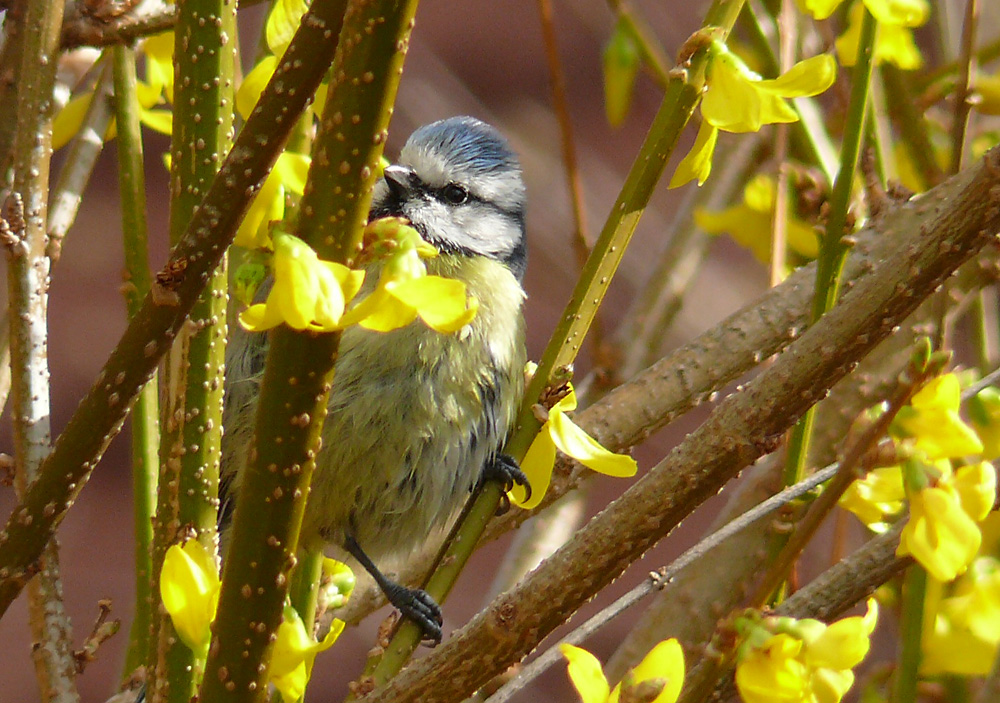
(417,418)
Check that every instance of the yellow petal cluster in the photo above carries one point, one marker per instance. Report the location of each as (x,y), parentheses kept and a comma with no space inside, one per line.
(738,100)
(189,589)
(878,494)
(662,668)
(294,654)
(406,291)
(559,432)
(805,661)
(943,532)
(964,633)
(307,294)
(894,41)
(157,88)
(750,223)
(932,424)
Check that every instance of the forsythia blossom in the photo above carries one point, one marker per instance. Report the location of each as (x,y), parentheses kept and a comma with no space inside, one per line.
(750,223)
(189,589)
(784,660)
(894,34)
(963,629)
(943,532)
(738,100)
(661,671)
(308,293)
(405,291)
(932,424)
(294,654)
(559,432)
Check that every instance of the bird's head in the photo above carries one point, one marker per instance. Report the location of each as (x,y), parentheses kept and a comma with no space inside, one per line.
(459,183)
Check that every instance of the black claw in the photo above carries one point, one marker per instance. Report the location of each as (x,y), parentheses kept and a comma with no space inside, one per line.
(505,470)
(417,605)
(414,603)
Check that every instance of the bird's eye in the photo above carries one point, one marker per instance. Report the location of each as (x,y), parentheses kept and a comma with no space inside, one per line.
(455,194)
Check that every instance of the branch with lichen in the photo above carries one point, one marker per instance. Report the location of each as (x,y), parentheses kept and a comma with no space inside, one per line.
(191,412)
(299,368)
(741,429)
(25,220)
(176,287)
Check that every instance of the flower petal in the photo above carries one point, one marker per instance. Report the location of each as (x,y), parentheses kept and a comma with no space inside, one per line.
(809,77)
(664,661)
(537,467)
(586,674)
(574,442)
(697,163)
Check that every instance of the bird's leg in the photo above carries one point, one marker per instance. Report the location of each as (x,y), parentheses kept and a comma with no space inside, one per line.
(414,603)
(504,469)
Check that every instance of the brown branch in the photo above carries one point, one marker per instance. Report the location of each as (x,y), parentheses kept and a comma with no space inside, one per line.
(932,237)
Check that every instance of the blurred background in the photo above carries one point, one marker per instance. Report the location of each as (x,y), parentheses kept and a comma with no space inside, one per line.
(476,57)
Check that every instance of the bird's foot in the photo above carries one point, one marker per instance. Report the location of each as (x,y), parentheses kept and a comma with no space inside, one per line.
(417,605)
(505,470)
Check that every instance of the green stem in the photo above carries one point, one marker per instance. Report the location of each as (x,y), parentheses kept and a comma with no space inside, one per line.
(678,104)
(299,368)
(191,431)
(833,251)
(911,631)
(145,414)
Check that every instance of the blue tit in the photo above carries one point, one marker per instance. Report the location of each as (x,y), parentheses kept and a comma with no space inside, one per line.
(417,417)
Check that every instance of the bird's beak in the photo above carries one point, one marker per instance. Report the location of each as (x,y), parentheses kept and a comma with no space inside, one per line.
(398,178)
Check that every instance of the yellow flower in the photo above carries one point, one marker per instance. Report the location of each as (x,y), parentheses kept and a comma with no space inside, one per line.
(750,223)
(965,632)
(910,13)
(806,661)
(287,176)
(559,432)
(893,39)
(984,411)
(697,163)
(294,654)
(931,420)
(662,669)
(738,100)
(773,672)
(307,293)
(879,493)
(405,291)
(189,589)
(942,532)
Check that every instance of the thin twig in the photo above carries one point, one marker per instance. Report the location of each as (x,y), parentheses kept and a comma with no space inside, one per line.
(79,165)
(967,70)
(658,579)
